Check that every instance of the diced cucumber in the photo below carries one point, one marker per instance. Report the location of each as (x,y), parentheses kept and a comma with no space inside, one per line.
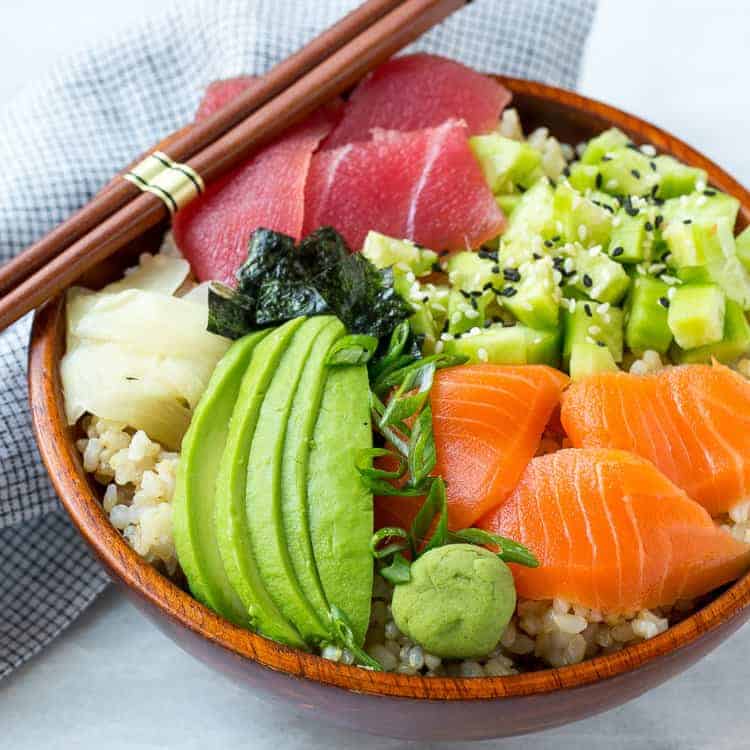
(631,242)
(676,178)
(383,251)
(706,206)
(535,298)
(742,246)
(734,344)
(604,200)
(598,276)
(696,315)
(647,326)
(437,301)
(626,171)
(578,219)
(508,345)
(543,346)
(501,345)
(421,321)
(699,243)
(533,215)
(466,310)
(583,177)
(505,162)
(588,359)
(508,203)
(593,323)
(472,272)
(605,142)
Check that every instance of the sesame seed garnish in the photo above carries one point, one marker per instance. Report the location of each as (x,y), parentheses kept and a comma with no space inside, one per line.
(601,344)
(482,354)
(511,274)
(671,292)
(618,251)
(617,221)
(648,149)
(439,345)
(587,281)
(587,309)
(648,226)
(590,340)
(687,221)
(612,184)
(664,302)
(635,174)
(598,180)
(700,185)
(603,308)
(701,201)
(709,193)
(509,291)
(572,304)
(656,268)
(595,330)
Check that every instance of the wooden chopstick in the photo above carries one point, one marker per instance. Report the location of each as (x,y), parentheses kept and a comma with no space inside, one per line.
(188,142)
(330,78)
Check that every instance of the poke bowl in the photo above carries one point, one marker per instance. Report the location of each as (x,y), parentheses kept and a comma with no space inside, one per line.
(505,691)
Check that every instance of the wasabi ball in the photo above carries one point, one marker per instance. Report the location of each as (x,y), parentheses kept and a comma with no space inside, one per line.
(458,601)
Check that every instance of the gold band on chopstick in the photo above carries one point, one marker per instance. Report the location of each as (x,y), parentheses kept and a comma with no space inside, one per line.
(174,183)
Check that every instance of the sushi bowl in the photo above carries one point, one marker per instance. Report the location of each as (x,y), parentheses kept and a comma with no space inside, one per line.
(394,705)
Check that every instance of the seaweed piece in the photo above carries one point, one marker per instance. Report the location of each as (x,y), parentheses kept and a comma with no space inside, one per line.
(280,281)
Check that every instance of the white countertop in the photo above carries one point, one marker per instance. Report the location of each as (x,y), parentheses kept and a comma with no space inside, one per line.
(113,681)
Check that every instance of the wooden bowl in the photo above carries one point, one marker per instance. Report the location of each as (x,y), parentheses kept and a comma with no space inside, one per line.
(378,703)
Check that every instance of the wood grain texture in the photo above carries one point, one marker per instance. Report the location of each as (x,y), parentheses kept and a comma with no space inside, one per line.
(389,704)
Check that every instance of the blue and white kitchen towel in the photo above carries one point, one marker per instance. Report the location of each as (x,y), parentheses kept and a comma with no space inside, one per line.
(63,138)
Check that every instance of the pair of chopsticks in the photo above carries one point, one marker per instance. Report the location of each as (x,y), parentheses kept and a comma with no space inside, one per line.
(322,70)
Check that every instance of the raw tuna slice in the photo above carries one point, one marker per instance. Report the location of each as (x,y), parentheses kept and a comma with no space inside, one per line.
(611,532)
(416,92)
(220,93)
(266,190)
(423,185)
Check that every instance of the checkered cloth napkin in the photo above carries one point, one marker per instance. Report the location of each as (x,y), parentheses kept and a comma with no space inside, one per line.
(62,139)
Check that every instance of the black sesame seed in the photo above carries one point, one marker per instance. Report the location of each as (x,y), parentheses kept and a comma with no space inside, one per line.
(664,302)
(687,221)
(509,291)
(709,193)
(495,269)
(665,256)
(606,158)
(658,221)
(474,303)
(487,286)
(598,180)
(654,191)
(549,243)
(511,274)
(566,171)
(635,174)
(601,343)
(587,309)
(618,251)
(457,335)
(648,226)
(556,238)
(465,294)
(536,256)
(632,146)
(476,293)
(657,201)
(607,207)
(652,165)
(425,299)
(587,281)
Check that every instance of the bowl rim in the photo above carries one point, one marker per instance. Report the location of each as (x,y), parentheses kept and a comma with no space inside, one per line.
(63,464)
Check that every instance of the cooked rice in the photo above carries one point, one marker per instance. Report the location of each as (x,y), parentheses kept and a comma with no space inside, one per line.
(139,476)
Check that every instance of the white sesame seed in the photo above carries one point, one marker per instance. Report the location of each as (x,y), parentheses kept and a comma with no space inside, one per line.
(589,340)
(616,221)
(671,292)
(471,313)
(648,149)
(482,354)
(594,251)
(582,232)
(701,201)
(572,305)
(456,317)
(446,337)
(657,268)
(612,184)
(474,331)
(410,277)
(557,276)
(700,186)
(595,330)
(439,346)
(603,308)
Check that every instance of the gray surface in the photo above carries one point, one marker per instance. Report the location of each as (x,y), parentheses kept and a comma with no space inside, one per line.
(114,681)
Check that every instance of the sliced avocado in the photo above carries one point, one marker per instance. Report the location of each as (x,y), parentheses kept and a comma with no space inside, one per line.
(647,326)
(340,506)
(295,466)
(696,315)
(231,485)
(505,162)
(602,144)
(383,251)
(735,341)
(265,524)
(195,488)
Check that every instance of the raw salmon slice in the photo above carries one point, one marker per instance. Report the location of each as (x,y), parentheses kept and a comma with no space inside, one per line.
(267,190)
(611,532)
(487,421)
(423,185)
(416,92)
(691,421)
